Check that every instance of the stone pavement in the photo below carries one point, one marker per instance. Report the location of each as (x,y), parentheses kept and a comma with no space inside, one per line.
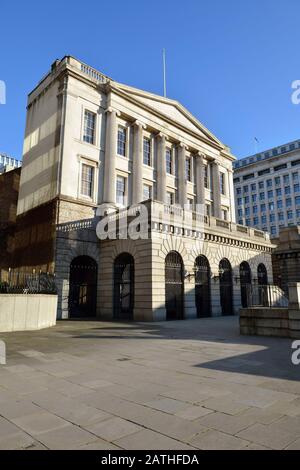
(180,385)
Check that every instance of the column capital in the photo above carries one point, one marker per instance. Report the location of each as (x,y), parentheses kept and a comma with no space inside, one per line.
(139,124)
(161,135)
(182,145)
(110,109)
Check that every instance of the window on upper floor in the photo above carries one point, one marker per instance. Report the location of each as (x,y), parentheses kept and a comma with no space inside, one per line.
(264,219)
(261,196)
(278,192)
(269,183)
(247,211)
(190,203)
(222,183)
(296,177)
(224,214)
(261,185)
(87,180)
(121,190)
(169,162)
(280,216)
(255,210)
(271,206)
(296,188)
(240,201)
(297,200)
(188,169)
(286,179)
(147,151)
(279,204)
(246,199)
(290,215)
(122,138)
(253,187)
(245,188)
(238,191)
(255,220)
(240,212)
(254,197)
(89,127)
(270,194)
(170,198)
(272,217)
(288,202)
(273,230)
(206,178)
(147,192)
(277,180)
(287,190)
(263,207)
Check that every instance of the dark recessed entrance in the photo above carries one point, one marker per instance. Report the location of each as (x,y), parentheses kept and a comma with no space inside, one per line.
(226,287)
(124,287)
(245,281)
(174,275)
(202,287)
(83,287)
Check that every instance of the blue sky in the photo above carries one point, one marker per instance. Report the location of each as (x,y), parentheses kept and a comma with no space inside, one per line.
(230,62)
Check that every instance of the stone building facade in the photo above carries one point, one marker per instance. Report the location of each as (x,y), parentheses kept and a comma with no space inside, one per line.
(91,142)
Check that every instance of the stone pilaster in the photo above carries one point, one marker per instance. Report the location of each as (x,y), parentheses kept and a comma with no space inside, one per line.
(182,190)
(161,168)
(109,183)
(137,168)
(200,174)
(216,190)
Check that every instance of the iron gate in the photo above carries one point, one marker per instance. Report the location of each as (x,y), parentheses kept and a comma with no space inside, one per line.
(124,287)
(174,275)
(226,288)
(202,287)
(83,287)
(245,281)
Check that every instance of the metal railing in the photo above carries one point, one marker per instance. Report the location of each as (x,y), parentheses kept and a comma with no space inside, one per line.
(20,282)
(269,296)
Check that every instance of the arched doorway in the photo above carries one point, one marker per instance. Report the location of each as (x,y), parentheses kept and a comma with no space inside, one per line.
(226,287)
(83,287)
(174,281)
(245,281)
(202,287)
(262,280)
(262,275)
(124,287)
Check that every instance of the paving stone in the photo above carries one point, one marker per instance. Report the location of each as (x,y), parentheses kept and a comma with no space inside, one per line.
(269,436)
(37,423)
(167,405)
(215,440)
(17,441)
(294,446)
(17,408)
(193,412)
(151,440)
(67,438)
(225,405)
(113,429)
(226,423)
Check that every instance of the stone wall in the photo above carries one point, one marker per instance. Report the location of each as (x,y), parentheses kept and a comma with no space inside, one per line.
(20,312)
(284,322)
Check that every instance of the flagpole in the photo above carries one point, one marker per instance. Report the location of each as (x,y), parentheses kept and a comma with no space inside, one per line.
(165,74)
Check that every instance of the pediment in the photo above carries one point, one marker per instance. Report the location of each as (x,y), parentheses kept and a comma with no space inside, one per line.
(171,109)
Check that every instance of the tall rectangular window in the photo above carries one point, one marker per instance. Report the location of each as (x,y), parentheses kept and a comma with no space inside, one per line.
(206,178)
(147,151)
(89,127)
(222,183)
(147,192)
(87,180)
(122,141)
(121,190)
(170,198)
(169,161)
(188,169)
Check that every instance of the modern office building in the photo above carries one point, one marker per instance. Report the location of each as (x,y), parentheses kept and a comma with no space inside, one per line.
(8,163)
(267,188)
(91,142)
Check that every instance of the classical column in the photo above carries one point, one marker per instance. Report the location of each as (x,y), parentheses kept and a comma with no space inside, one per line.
(216,190)
(161,168)
(137,168)
(109,183)
(200,176)
(182,192)
(231,196)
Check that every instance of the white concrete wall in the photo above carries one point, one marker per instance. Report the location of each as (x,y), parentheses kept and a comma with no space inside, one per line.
(20,312)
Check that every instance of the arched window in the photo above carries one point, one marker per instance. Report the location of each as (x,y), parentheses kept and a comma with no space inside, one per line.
(124,286)
(174,282)
(202,287)
(83,287)
(226,287)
